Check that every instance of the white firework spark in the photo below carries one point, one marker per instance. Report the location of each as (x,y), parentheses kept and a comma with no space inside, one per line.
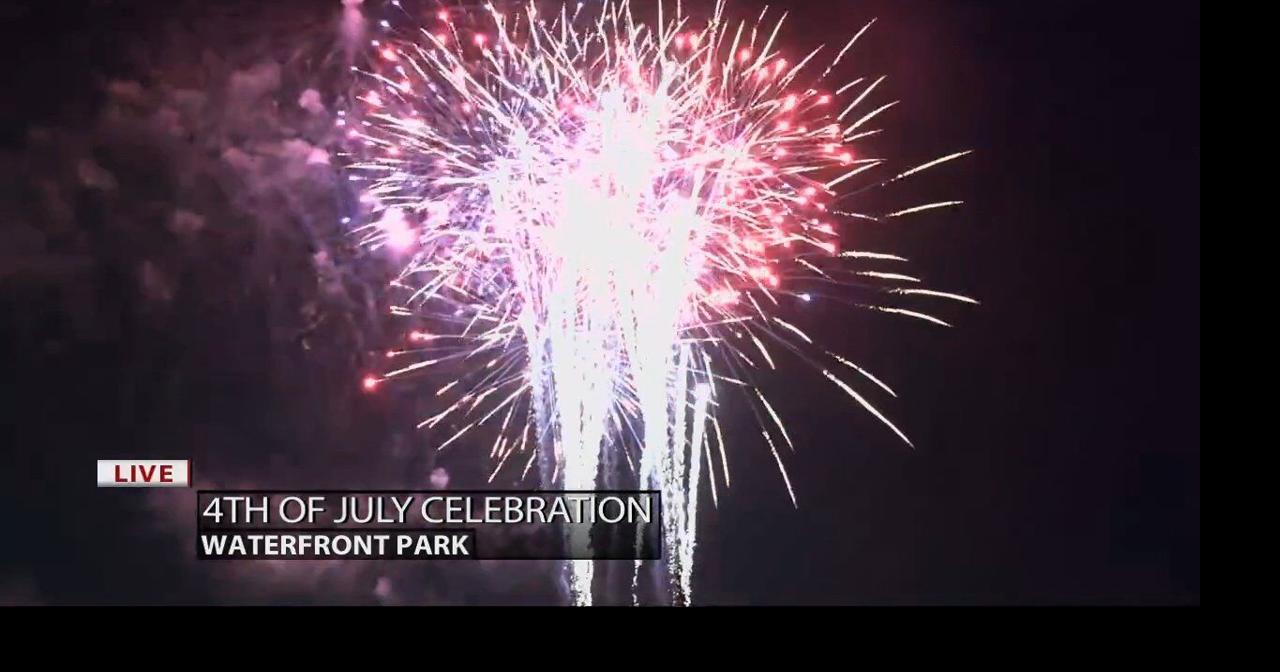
(597,212)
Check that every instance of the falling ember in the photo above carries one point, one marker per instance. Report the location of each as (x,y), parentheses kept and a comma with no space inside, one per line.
(601,227)
(398,233)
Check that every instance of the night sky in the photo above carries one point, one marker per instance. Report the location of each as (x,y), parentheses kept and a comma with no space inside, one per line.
(1056,426)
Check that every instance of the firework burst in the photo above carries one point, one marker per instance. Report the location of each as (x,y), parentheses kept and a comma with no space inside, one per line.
(602,218)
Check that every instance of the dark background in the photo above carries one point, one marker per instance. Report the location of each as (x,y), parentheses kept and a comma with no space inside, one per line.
(1057,425)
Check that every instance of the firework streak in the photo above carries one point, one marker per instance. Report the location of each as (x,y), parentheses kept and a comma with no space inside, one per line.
(603,218)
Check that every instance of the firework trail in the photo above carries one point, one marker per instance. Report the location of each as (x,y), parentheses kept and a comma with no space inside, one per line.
(601,219)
